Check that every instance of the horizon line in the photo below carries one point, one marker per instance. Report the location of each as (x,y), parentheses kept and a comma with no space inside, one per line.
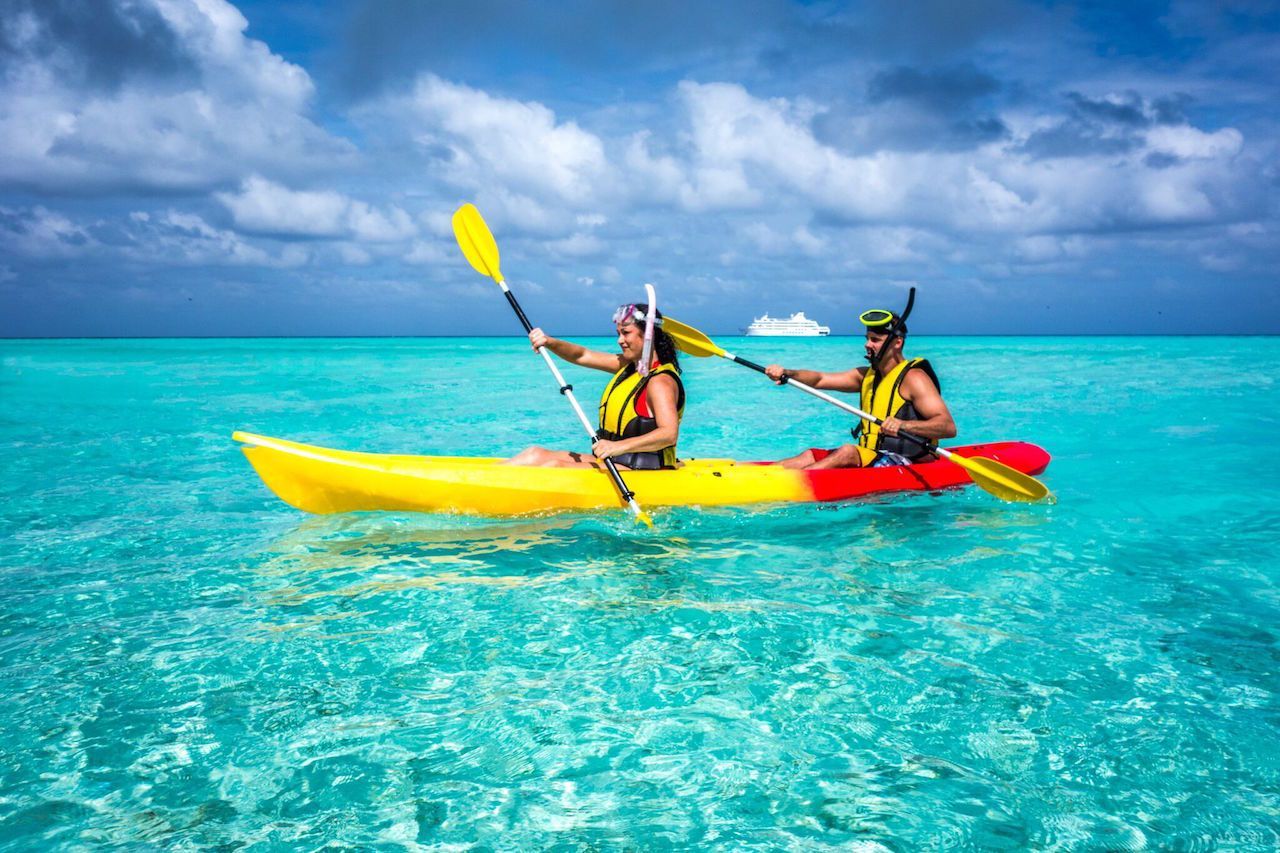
(594,335)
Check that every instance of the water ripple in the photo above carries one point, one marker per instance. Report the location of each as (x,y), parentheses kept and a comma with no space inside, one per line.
(190,664)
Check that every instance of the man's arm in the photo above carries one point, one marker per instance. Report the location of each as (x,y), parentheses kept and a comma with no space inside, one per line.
(847,380)
(935,418)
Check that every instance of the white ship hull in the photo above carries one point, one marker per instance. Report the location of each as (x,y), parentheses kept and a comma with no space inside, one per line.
(784,333)
(795,326)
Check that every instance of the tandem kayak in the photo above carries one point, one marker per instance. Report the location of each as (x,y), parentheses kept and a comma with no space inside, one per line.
(320,480)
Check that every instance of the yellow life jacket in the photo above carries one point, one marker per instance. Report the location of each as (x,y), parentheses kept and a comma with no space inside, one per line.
(882,397)
(620,418)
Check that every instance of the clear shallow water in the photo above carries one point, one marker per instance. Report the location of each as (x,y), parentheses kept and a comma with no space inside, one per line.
(187,661)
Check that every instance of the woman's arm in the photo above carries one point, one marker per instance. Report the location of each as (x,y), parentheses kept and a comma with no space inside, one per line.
(661,393)
(577,353)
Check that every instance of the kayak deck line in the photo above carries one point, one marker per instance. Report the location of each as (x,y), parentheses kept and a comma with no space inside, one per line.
(321,480)
(349,457)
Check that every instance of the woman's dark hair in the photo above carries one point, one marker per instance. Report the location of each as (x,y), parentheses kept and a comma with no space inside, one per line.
(663,344)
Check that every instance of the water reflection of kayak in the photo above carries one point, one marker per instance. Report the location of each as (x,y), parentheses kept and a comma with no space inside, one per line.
(317,479)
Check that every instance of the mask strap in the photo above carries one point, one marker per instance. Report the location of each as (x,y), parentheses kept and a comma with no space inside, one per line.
(646,354)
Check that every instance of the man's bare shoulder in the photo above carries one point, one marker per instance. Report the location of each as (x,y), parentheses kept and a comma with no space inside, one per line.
(918,382)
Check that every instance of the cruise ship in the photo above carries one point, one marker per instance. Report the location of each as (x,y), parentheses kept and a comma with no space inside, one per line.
(797,325)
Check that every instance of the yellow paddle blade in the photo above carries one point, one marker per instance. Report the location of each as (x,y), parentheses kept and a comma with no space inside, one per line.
(476,241)
(643,518)
(1002,481)
(689,339)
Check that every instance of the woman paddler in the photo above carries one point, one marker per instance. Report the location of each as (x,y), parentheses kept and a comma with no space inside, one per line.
(641,407)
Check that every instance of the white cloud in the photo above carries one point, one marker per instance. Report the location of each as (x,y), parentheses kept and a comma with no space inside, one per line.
(266,207)
(1192,144)
(353,255)
(1173,198)
(734,133)
(765,238)
(660,178)
(807,242)
(41,232)
(884,245)
(429,253)
(366,223)
(748,153)
(1220,263)
(178,237)
(169,237)
(1044,247)
(241,68)
(518,145)
(246,111)
(726,150)
(578,245)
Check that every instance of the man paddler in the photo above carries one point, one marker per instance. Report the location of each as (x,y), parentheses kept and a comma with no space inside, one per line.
(903,392)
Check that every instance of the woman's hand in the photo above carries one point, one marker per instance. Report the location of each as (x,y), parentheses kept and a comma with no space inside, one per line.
(604,448)
(539,339)
(775,372)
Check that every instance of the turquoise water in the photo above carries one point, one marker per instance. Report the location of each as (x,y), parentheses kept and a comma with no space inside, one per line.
(188,662)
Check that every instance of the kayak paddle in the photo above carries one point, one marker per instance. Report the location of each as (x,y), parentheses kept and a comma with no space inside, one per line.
(1000,480)
(477,243)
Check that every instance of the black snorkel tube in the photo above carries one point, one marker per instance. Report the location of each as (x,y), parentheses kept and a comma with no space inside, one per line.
(895,329)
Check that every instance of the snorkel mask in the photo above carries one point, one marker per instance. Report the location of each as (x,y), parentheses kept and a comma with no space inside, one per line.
(888,323)
(648,317)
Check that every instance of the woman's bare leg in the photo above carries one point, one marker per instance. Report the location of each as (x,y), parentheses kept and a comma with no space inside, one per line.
(541,457)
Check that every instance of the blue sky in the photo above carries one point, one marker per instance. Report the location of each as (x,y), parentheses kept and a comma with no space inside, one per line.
(196,167)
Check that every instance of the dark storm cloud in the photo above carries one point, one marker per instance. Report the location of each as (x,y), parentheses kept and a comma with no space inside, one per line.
(1160,160)
(942,88)
(979,131)
(918,109)
(1107,126)
(907,130)
(1171,109)
(1076,139)
(1130,109)
(12,222)
(1126,109)
(93,43)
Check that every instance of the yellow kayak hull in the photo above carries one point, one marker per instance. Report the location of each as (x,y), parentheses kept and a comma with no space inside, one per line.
(320,480)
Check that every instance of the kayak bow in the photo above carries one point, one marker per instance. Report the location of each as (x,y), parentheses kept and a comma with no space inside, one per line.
(320,480)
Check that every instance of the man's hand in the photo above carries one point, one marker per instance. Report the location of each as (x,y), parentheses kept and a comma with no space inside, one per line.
(891,426)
